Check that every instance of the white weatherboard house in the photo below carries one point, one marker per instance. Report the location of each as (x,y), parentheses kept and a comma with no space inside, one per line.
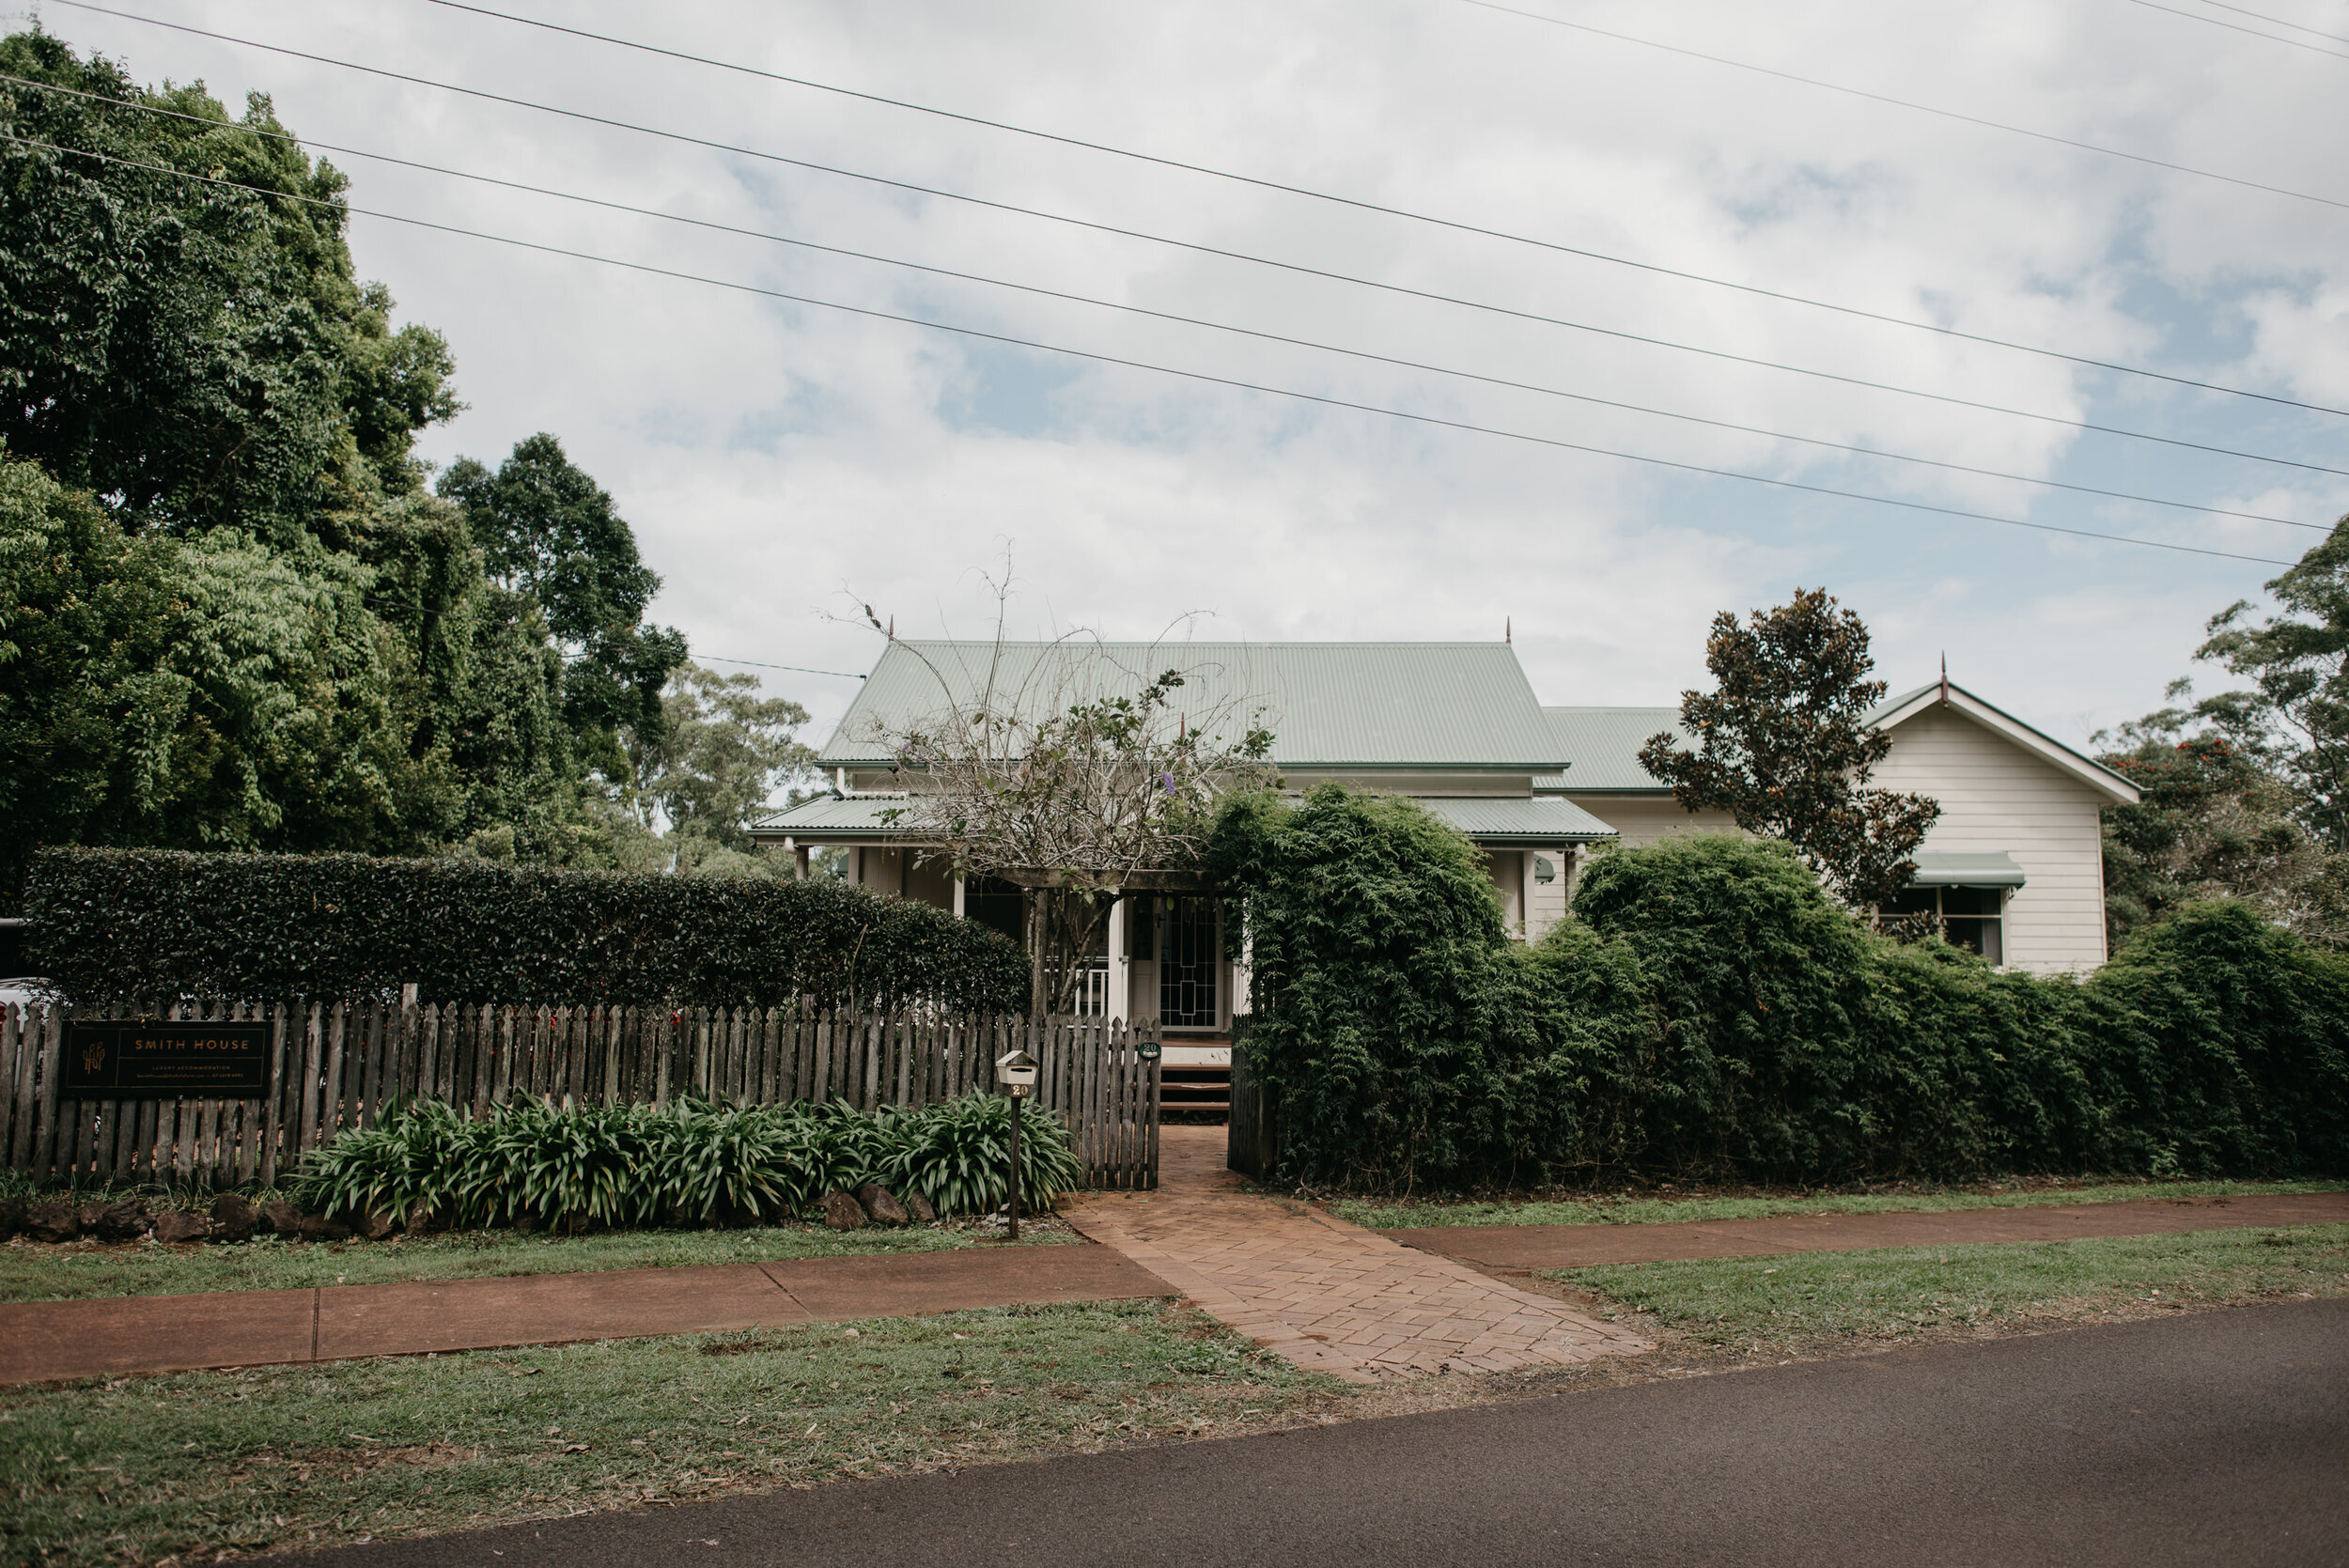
(1454,724)
(2015,864)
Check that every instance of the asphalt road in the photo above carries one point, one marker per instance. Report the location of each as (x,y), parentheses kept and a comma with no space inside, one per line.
(2215,1438)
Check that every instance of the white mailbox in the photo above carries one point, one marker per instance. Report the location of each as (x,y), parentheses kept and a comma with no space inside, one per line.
(1016,1071)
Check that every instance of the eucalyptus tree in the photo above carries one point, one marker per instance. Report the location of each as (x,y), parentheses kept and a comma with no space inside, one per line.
(2298,658)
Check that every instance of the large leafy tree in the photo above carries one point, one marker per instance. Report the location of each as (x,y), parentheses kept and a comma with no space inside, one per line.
(1783,746)
(197,354)
(202,693)
(2297,659)
(2218,820)
(2246,792)
(235,615)
(550,535)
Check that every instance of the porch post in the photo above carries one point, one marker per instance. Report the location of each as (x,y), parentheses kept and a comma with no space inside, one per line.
(1525,894)
(1120,989)
(959,912)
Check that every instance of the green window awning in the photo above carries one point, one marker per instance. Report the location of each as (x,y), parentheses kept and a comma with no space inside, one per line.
(1976,868)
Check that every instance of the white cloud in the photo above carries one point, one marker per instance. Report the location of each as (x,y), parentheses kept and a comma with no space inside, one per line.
(769,453)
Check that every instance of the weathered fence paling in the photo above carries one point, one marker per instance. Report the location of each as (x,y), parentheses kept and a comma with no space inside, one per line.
(336,1066)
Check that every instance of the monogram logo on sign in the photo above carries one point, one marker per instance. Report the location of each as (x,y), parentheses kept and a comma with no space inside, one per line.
(93,1056)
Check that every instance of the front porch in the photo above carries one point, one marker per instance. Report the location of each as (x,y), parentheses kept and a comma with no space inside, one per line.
(1170,958)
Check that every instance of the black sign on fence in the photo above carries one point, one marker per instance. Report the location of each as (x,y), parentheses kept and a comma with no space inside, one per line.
(130,1059)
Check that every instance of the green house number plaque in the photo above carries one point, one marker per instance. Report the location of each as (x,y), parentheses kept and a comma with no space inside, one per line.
(1147,1050)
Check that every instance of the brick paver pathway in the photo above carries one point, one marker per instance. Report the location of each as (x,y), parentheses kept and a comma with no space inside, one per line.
(1325,1293)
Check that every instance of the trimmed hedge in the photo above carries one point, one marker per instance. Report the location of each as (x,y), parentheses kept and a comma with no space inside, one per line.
(152,921)
(1710,1013)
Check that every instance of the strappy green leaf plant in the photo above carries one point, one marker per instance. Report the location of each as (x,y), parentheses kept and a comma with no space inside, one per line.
(693,1162)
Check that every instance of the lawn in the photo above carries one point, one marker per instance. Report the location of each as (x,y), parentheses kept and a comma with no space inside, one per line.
(1760,1304)
(141,1469)
(1650,1209)
(35,1271)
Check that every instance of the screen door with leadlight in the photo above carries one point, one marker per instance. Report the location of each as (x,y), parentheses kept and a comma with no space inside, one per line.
(1190,956)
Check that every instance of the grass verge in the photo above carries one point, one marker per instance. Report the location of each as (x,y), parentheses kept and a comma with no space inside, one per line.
(37,1271)
(205,1466)
(1814,1303)
(1631,1209)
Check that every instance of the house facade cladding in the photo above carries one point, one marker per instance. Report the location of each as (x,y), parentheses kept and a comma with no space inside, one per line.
(2015,862)
(1457,726)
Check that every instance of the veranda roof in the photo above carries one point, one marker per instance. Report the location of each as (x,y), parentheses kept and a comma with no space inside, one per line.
(1516,820)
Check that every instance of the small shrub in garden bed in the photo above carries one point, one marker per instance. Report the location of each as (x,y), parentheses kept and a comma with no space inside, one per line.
(691,1163)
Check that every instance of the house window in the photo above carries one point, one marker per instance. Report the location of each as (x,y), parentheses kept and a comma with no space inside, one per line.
(1970,918)
(997,906)
(1973,918)
(1190,959)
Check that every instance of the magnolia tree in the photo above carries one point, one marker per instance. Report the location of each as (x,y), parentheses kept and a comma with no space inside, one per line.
(1784,747)
(1081,780)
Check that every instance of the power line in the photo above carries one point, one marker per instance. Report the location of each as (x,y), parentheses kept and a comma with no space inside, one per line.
(1360,205)
(1375,206)
(1724,355)
(1200,376)
(795,669)
(713,657)
(2238,27)
(2261,16)
(1169,316)
(1896,102)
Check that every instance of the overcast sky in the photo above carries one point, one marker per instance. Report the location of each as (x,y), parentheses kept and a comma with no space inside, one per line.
(772,455)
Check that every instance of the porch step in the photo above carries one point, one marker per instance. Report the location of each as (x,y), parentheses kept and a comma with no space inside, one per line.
(1196,1090)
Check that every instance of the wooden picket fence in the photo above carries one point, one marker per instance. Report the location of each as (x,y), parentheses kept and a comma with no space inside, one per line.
(337,1064)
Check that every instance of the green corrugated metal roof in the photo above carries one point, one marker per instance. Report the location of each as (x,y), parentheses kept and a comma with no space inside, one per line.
(829,817)
(1449,706)
(1602,749)
(1513,819)
(1966,868)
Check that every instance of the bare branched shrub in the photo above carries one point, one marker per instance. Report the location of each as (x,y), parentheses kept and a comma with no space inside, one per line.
(1079,771)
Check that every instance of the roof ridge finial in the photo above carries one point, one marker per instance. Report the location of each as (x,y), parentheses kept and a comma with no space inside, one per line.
(1945,678)
(1508,634)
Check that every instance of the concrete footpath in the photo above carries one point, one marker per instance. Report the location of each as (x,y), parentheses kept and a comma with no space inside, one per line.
(1545,1247)
(42,1340)
(2208,1438)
